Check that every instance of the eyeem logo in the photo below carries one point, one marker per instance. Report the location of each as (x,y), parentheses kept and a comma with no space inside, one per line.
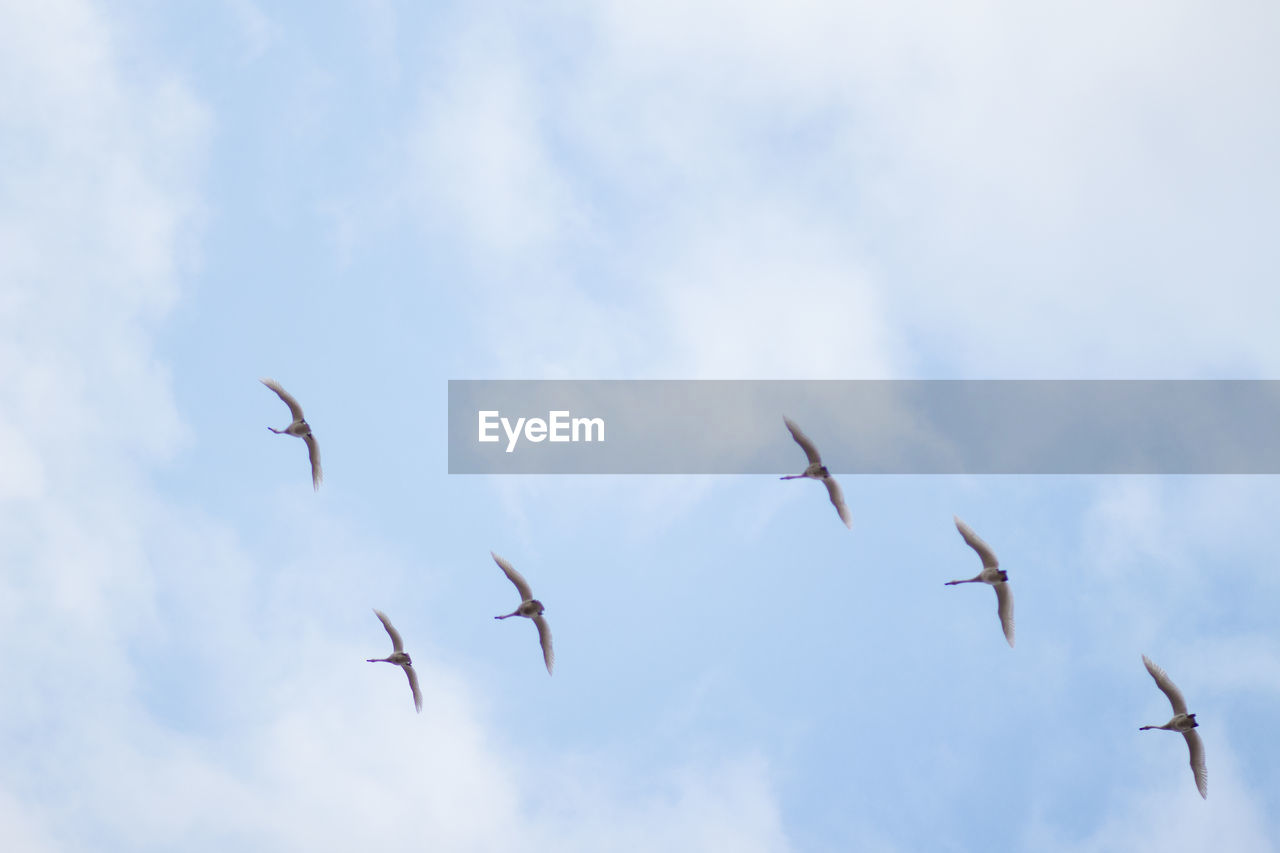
(558,427)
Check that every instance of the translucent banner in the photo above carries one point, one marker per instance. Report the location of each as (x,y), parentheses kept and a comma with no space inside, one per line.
(865,426)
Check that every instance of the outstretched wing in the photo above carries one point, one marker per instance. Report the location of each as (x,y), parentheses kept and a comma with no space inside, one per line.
(515,577)
(1004,607)
(313,451)
(396,643)
(803,440)
(294,408)
(1167,686)
(413,685)
(544,639)
(1197,762)
(988,556)
(837,500)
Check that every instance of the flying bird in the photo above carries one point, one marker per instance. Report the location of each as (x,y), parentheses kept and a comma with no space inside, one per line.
(530,608)
(818,471)
(1181,722)
(300,428)
(991,573)
(400,658)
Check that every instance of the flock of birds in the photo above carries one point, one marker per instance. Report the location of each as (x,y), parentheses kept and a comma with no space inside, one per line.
(530,607)
(991,574)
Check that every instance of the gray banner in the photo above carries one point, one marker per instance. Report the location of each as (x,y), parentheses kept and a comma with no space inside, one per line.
(865,426)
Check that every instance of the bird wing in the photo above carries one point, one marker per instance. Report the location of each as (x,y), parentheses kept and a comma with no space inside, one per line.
(988,556)
(313,451)
(396,643)
(837,500)
(515,577)
(413,685)
(803,440)
(544,639)
(294,408)
(1197,762)
(1004,607)
(1167,686)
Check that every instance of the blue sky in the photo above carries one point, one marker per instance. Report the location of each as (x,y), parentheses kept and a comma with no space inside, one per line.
(368,200)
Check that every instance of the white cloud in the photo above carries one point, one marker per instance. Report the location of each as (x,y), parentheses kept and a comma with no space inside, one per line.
(741,246)
(525,164)
(175,693)
(1098,170)
(1247,661)
(98,196)
(22,829)
(1169,816)
(479,156)
(256,29)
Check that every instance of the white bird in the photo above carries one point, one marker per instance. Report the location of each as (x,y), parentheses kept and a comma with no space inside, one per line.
(992,574)
(400,658)
(1181,722)
(300,428)
(818,471)
(530,608)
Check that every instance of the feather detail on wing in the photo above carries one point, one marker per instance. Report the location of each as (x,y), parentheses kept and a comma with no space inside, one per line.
(396,643)
(1197,762)
(413,685)
(1004,607)
(810,451)
(515,577)
(544,639)
(837,500)
(988,556)
(1166,686)
(313,452)
(294,408)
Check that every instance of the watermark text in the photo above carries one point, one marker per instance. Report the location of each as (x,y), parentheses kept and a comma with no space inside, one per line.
(558,426)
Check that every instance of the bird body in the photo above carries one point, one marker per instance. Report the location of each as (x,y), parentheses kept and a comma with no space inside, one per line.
(530,608)
(1178,723)
(400,658)
(817,471)
(299,428)
(991,574)
(1181,722)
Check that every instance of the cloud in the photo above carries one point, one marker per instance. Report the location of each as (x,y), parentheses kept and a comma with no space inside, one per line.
(687,202)
(178,681)
(99,197)
(256,30)
(1168,814)
(646,241)
(1099,172)
(480,158)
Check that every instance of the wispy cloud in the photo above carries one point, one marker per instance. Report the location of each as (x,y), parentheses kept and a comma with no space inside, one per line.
(189,699)
(1032,175)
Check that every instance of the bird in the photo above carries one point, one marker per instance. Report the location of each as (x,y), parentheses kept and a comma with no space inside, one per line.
(300,428)
(400,658)
(818,471)
(530,608)
(991,573)
(1181,722)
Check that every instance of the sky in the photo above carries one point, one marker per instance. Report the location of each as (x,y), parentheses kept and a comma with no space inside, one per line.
(367,200)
